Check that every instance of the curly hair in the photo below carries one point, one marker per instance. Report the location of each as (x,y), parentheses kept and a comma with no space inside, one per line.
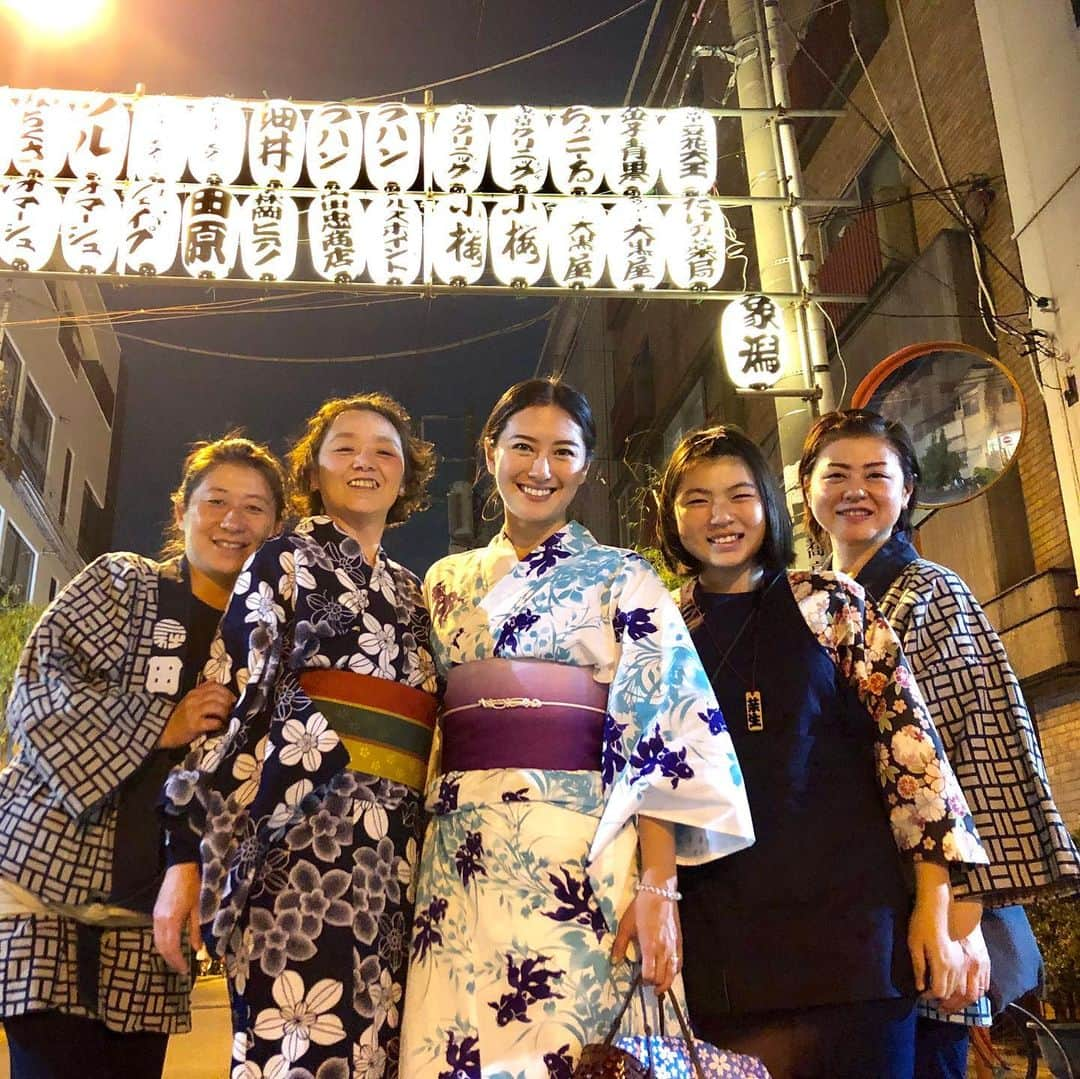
(303,456)
(231,449)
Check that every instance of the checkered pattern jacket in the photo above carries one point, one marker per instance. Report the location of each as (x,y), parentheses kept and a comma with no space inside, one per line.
(86,708)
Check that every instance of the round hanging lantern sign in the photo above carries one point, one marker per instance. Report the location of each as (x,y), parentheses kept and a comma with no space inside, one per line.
(519,149)
(90,223)
(752,338)
(688,152)
(394,241)
(518,233)
(218,136)
(392,144)
(578,150)
(150,228)
(460,148)
(697,243)
(335,232)
(456,235)
(29,219)
(577,248)
(269,229)
(335,145)
(633,151)
(102,125)
(210,232)
(42,135)
(7,130)
(635,244)
(276,143)
(160,134)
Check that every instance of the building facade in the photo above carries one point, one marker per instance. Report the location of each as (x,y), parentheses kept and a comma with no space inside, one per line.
(926,151)
(61,375)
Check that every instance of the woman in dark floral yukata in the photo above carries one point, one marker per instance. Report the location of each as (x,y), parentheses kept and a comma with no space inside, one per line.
(306,815)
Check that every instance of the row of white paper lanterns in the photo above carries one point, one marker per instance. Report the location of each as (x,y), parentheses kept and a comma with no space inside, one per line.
(636,241)
(159,137)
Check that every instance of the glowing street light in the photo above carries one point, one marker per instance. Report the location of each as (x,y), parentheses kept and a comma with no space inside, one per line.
(58,18)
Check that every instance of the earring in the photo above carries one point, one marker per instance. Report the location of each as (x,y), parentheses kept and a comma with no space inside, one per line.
(494,502)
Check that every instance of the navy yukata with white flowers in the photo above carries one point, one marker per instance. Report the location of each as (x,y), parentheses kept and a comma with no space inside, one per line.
(525,872)
(307,865)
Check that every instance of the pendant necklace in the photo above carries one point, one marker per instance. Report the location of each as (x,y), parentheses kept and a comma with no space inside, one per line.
(755,715)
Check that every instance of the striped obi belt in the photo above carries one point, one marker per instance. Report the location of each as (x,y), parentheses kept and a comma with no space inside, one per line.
(523,713)
(386,727)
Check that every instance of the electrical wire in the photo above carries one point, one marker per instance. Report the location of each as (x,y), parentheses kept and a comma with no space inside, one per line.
(502,63)
(365,358)
(836,342)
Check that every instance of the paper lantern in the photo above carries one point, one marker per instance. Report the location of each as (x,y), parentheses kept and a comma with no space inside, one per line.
(102,125)
(752,337)
(90,224)
(160,134)
(518,233)
(519,149)
(392,144)
(635,244)
(210,232)
(394,240)
(335,231)
(42,134)
(577,242)
(335,145)
(459,148)
(688,152)
(269,230)
(277,137)
(633,151)
(218,136)
(696,243)
(456,233)
(150,228)
(7,130)
(578,150)
(29,220)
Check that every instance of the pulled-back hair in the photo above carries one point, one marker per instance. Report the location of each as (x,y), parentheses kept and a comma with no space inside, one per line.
(535,392)
(231,449)
(303,457)
(708,444)
(858,423)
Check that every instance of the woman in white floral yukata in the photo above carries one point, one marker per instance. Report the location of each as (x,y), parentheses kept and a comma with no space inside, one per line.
(581,755)
(808,950)
(306,815)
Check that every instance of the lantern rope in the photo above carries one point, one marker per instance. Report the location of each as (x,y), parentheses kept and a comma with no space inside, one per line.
(502,63)
(398,354)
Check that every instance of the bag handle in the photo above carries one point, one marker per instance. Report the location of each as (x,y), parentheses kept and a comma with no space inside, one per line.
(688,1037)
(635,985)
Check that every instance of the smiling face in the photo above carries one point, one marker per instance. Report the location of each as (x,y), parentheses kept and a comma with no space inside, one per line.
(359,468)
(539,462)
(229,513)
(721,521)
(857,492)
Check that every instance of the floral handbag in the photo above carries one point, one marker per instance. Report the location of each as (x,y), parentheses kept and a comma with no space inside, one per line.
(660,1056)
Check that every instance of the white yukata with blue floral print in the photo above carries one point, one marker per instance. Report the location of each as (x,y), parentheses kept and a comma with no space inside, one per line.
(525,873)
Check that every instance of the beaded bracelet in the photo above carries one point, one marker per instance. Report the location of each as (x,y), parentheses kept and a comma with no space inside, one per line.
(664,893)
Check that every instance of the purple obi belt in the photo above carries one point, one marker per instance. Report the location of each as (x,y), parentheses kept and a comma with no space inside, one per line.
(522,713)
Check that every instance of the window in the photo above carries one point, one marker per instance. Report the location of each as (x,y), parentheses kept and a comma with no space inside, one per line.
(878,180)
(35,434)
(691,414)
(68,337)
(65,486)
(54,585)
(103,391)
(9,387)
(93,538)
(16,566)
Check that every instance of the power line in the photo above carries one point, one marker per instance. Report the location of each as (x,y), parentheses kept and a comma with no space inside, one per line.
(396,355)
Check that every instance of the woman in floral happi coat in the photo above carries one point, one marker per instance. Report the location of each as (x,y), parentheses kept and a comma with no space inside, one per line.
(581,756)
(305,817)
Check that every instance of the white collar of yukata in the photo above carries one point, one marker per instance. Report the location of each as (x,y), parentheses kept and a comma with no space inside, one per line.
(573,538)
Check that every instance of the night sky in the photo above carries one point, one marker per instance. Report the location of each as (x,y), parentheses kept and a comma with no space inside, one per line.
(325,50)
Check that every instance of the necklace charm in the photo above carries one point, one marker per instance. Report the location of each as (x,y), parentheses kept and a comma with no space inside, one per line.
(755,720)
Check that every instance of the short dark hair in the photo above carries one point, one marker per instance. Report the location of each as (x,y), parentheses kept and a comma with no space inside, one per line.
(858,423)
(303,457)
(708,443)
(231,449)
(540,391)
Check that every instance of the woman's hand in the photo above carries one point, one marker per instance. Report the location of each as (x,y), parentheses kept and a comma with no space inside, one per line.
(965,916)
(176,905)
(937,959)
(653,922)
(201,711)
